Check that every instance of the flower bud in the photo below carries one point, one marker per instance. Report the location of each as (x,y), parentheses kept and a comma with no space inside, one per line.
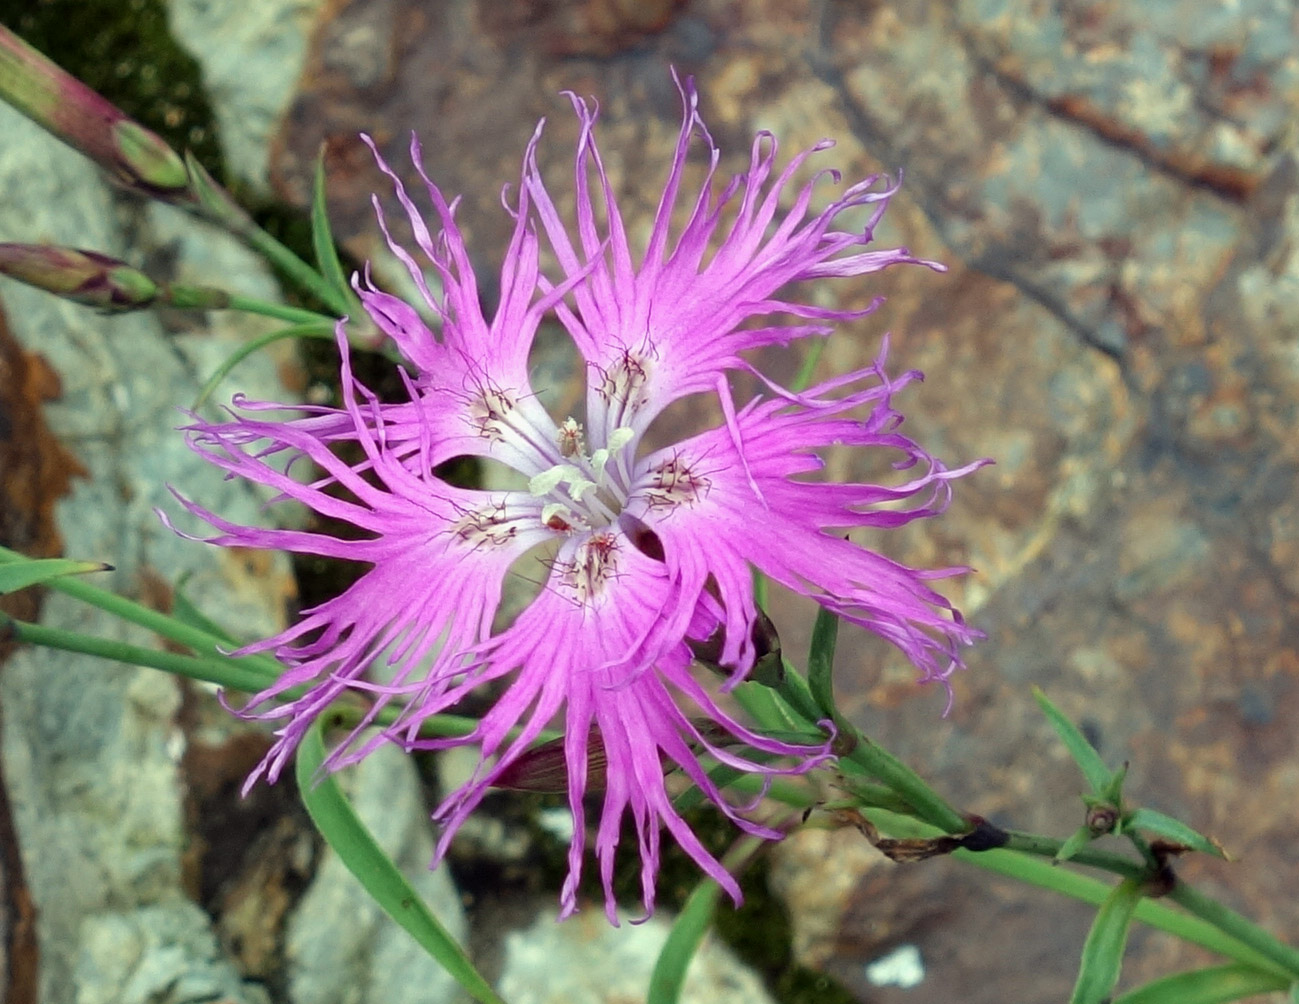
(544,768)
(63,105)
(84,276)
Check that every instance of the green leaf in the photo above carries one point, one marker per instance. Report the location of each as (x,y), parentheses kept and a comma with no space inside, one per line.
(766,707)
(322,239)
(1102,955)
(1215,985)
(1113,790)
(22,574)
(797,695)
(356,848)
(1084,754)
(1171,829)
(820,660)
(1079,839)
(683,941)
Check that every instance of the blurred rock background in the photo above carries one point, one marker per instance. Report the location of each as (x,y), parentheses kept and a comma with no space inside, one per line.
(1115,191)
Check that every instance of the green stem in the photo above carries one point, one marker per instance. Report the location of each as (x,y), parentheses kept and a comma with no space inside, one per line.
(805,371)
(1049,847)
(208,298)
(281,311)
(879,763)
(232,673)
(296,269)
(1213,926)
(1238,927)
(202,642)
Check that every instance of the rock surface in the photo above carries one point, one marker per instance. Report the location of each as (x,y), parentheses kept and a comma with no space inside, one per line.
(585,961)
(91,749)
(251,55)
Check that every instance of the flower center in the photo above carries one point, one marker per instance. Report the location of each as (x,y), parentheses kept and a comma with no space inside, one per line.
(586,491)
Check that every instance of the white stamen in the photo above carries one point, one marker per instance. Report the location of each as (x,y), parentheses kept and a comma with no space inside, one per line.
(553,509)
(547,481)
(579,486)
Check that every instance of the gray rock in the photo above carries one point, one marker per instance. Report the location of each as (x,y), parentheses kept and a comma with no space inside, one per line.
(91,748)
(251,54)
(585,961)
(154,955)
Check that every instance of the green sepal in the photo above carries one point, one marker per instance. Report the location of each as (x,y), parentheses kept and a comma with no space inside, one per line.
(1098,776)
(22,574)
(797,695)
(1113,791)
(1079,839)
(1214,985)
(1102,954)
(820,661)
(356,848)
(1171,829)
(322,238)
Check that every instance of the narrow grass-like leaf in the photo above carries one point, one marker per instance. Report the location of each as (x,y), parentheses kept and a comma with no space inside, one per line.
(357,849)
(237,674)
(1215,985)
(1171,829)
(322,239)
(22,574)
(766,708)
(820,660)
(1079,839)
(1102,955)
(684,939)
(1083,753)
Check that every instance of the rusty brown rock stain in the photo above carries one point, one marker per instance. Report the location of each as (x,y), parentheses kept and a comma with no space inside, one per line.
(35,472)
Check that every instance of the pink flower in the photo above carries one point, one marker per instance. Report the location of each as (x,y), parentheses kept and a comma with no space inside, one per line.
(651,554)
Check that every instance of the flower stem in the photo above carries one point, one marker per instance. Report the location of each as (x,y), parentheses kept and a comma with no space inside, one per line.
(207,298)
(1049,847)
(315,329)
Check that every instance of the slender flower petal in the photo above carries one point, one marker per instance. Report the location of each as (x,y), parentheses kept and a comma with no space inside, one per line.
(650,556)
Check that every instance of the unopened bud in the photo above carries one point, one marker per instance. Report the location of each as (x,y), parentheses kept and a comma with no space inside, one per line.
(1102,819)
(544,769)
(63,105)
(84,276)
